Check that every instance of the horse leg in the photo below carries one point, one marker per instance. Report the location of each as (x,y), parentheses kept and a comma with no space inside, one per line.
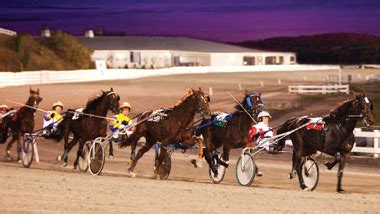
(79,153)
(298,167)
(331,164)
(133,139)
(150,141)
(67,149)
(8,149)
(293,170)
(342,162)
(19,149)
(226,154)
(110,155)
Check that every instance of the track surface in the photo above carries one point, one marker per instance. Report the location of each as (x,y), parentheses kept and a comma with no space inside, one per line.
(48,187)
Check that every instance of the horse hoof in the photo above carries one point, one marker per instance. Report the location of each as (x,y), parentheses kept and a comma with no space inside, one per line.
(306,189)
(132,174)
(340,190)
(328,166)
(8,158)
(199,163)
(59,158)
(291,175)
(110,157)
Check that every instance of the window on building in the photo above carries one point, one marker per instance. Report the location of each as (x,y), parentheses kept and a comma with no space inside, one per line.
(176,61)
(136,57)
(292,58)
(270,60)
(281,60)
(248,60)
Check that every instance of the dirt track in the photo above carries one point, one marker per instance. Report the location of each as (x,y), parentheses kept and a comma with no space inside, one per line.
(47,187)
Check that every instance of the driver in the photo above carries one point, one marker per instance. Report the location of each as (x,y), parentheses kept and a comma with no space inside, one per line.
(52,119)
(261,132)
(120,121)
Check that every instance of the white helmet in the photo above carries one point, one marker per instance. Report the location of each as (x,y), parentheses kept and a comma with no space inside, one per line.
(125,105)
(264,114)
(5,107)
(58,103)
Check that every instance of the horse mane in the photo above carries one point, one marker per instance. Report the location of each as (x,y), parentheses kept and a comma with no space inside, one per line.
(189,93)
(93,102)
(339,111)
(246,94)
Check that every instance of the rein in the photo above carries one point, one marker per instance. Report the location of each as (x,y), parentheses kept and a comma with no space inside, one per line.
(242,107)
(31,107)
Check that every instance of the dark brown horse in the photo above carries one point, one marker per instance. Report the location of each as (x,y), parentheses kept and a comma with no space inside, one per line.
(175,127)
(336,139)
(87,128)
(235,131)
(22,122)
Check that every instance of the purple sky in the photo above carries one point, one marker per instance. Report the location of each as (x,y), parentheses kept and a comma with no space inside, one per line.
(217,20)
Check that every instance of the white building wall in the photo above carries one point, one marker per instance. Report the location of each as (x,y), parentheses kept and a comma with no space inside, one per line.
(194,58)
(122,58)
(161,59)
(237,59)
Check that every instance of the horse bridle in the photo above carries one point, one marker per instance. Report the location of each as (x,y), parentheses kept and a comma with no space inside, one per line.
(362,116)
(250,105)
(113,93)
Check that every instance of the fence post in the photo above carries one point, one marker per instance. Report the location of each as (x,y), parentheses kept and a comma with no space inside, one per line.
(210,92)
(376,143)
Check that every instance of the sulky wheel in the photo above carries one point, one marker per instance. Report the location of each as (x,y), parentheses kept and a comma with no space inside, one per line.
(163,169)
(96,156)
(310,173)
(217,178)
(246,169)
(27,150)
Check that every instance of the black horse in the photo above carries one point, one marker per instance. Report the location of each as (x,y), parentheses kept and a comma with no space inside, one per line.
(86,127)
(234,133)
(22,122)
(336,139)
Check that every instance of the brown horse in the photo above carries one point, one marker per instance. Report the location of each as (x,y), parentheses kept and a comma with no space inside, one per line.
(86,128)
(175,127)
(234,133)
(336,139)
(22,122)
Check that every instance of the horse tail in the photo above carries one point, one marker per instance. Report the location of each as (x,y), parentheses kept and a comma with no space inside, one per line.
(286,127)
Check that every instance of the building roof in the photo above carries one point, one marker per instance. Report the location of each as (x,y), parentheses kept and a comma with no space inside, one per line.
(159,43)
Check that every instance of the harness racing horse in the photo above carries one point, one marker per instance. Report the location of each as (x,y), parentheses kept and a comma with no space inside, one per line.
(336,139)
(234,133)
(86,127)
(175,127)
(22,122)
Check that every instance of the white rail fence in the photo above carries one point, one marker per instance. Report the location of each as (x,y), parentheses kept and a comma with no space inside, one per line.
(47,77)
(319,89)
(371,136)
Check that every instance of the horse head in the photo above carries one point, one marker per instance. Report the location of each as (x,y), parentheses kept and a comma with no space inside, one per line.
(253,102)
(113,101)
(363,107)
(201,102)
(34,97)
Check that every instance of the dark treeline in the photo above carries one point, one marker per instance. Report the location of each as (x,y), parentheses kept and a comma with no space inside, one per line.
(332,48)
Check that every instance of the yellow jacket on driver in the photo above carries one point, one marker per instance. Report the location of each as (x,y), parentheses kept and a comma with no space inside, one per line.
(119,119)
